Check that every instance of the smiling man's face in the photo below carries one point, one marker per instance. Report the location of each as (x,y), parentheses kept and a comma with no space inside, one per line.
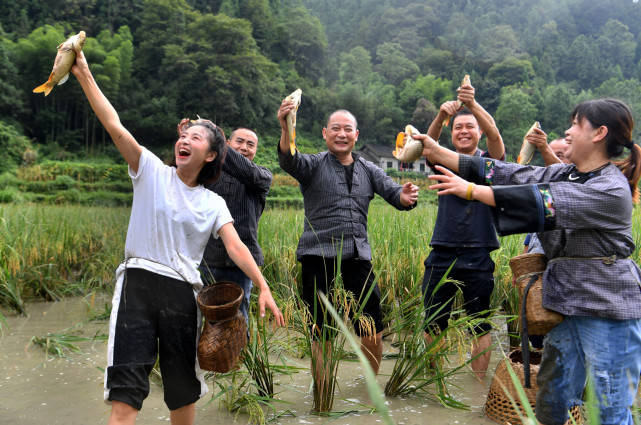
(465,134)
(341,133)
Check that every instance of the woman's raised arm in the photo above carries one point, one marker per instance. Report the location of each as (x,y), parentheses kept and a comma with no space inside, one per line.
(124,141)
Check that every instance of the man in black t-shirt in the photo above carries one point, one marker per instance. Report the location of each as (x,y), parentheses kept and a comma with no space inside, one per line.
(464,232)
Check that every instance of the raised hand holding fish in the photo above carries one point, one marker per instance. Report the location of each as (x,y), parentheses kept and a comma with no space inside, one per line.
(65,58)
(291,119)
(464,83)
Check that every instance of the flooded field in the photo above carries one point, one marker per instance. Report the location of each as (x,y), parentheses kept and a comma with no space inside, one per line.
(35,390)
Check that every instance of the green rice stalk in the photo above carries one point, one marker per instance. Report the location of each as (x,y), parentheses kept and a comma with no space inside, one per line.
(255,357)
(374,391)
(58,345)
(591,403)
(237,394)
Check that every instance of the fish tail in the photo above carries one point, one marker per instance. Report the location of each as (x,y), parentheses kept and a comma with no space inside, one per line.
(46,87)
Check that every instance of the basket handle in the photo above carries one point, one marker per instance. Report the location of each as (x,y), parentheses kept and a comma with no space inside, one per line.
(525,340)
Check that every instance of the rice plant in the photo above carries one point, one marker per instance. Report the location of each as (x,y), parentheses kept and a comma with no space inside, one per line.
(420,361)
(374,391)
(60,344)
(237,393)
(256,357)
(52,251)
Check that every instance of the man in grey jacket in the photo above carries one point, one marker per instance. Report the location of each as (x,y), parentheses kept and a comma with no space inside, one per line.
(337,187)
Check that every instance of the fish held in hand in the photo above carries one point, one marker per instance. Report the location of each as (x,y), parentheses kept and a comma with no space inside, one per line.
(464,82)
(291,119)
(408,149)
(65,59)
(527,148)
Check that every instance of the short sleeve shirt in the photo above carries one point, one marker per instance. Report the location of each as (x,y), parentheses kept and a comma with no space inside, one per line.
(171,222)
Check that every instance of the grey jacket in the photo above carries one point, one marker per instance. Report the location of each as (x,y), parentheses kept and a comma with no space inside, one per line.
(584,224)
(336,218)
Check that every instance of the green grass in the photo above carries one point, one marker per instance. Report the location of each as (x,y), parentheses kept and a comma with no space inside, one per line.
(63,343)
(47,252)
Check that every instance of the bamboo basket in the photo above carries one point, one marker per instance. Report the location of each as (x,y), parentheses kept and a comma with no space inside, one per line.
(539,319)
(220,344)
(220,301)
(224,334)
(498,406)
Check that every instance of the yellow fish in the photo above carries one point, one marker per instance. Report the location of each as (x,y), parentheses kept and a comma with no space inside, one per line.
(291,119)
(65,59)
(408,149)
(527,148)
(465,82)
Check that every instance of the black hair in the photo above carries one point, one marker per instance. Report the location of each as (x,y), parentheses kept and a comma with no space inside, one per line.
(463,111)
(217,143)
(616,116)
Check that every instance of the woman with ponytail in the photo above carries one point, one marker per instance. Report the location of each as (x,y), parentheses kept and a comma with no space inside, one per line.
(582,213)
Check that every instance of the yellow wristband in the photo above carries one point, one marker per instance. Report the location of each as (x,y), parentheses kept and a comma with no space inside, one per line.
(470,189)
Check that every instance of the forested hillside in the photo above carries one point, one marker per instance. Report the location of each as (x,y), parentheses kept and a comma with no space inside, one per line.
(389,61)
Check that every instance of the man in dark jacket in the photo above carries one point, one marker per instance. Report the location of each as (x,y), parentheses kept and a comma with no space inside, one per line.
(244,187)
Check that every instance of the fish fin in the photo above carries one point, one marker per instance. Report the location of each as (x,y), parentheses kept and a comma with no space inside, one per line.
(63,79)
(46,87)
(292,142)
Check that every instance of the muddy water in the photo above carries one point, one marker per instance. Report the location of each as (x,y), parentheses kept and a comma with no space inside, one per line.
(35,390)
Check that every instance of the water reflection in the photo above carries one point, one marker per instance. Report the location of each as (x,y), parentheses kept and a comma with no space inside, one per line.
(35,390)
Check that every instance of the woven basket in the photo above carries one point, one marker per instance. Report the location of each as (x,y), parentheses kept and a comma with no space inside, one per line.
(220,344)
(220,301)
(539,319)
(498,406)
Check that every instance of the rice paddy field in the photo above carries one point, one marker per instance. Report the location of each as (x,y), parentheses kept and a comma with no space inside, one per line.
(69,253)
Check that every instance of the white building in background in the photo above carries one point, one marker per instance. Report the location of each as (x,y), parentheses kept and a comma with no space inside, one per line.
(381,155)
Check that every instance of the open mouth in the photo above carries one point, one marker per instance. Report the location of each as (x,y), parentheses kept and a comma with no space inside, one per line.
(183,153)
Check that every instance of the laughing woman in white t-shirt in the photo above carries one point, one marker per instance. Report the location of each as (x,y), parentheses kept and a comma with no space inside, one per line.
(154,309)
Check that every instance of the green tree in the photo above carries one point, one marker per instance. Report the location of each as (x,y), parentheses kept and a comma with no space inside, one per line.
(302,40)
(424,114)
(356,67)
(217,71)
(498,43)
(557,105)
(436,89)
(11,98)
(13,144)
(617,45)
(511,71)
(514,116)
(393,64)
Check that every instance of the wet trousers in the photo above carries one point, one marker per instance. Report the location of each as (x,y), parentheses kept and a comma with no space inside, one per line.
(606,350)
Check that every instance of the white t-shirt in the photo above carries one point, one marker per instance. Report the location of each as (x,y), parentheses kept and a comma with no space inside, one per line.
(170,222)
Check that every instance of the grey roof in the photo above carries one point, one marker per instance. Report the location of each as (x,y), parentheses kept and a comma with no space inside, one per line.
(372,151)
